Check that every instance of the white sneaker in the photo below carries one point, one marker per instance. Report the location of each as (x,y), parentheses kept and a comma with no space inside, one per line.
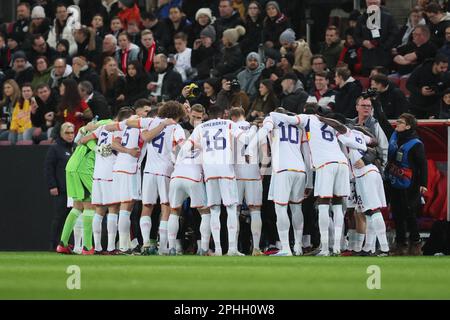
(218,253)
(336,253)
(282,253)
(235,253)
(298,250)
(323,254)
(77,250)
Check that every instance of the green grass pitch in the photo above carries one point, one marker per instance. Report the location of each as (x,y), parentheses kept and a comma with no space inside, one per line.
(36,275)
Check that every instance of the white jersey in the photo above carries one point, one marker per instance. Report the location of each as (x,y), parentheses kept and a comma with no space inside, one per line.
(160,150)
(243,150)
(355,154)
(131,138)
(285,144)
(215,139)
(188,164)
(103,169)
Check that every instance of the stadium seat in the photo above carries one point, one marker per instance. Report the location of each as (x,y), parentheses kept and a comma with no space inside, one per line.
(365,82)
(24,143)
(46,142)
(402,86)
(394,79)
(5,143)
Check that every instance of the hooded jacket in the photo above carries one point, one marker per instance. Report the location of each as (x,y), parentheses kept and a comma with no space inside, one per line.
(248,79)
(295,101)
(67,33)
(438,30)
(302,56)
(55,81)
(345,99)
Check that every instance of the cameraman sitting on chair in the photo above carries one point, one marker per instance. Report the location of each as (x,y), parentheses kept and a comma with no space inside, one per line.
(231,95)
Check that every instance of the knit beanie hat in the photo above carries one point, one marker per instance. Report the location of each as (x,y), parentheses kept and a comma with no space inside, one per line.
(288,36)
(127,3)
(209,32)
(206,12)
(275,4)
(254,56)
(38,12)
(233,34)
(19,55)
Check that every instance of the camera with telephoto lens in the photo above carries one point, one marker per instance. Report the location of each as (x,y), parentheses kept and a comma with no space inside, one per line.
(235,86)
(194,90)
(370,93)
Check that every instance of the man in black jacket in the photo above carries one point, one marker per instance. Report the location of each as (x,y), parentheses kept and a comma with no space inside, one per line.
(426,84)
(95,100)
(39,47)
(348,91)
(294,97)
(392,99)
(54,166)
(21,71)
(43,119)
(81,71)
(229,18)
(165,83)
(439,21)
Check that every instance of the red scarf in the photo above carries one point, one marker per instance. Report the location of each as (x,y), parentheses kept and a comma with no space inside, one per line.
(150,56)
(124,61)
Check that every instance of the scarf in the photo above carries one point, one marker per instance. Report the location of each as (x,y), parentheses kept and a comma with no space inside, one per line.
(150,56)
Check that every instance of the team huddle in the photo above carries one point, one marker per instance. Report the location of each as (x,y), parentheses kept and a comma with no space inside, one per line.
(221,163)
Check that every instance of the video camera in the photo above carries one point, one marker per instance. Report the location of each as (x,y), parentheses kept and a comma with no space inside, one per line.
(235,86)
(370,94)
(194,90)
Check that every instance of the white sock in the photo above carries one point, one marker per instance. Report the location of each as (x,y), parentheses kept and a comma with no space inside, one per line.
(283,225)
(124,230)
(359,239)
(163,236)
(380,230)
(331,232)
(232,227)
(371,237)
(256,226)
(78,234)
(97,231)
(146,225)
(324,221)
(112,230)
(344,242)
(205,231)
(215,226)
(351,234)
(238,226)
(178,245)
(306,241)
(172,229)
(338,219)
(297,223)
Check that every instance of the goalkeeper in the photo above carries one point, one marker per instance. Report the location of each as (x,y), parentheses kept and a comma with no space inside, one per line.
(79,176)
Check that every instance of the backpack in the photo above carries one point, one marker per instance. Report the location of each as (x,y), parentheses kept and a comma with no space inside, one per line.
(439,240)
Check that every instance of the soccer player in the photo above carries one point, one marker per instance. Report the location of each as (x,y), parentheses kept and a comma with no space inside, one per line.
(288,182)
(248,178)
(159,167)
(215,139)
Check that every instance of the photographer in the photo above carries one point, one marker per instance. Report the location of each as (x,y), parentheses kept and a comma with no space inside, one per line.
(426,85)
(231,95)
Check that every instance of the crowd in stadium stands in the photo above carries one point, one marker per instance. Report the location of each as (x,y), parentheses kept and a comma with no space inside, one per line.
(75,61)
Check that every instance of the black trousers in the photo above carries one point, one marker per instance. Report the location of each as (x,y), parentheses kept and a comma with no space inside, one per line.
(311,220)
(59,217)
(269,233)
(405,204)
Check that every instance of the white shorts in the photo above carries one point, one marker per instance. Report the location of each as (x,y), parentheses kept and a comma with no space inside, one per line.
(351,199)
(370,192)
(221,191)
(154,186)
(181,189)
(251,191)
(127,186)
(332,181)
(103,193)
(287,187)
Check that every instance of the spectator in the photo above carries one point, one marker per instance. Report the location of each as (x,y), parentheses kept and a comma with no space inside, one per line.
(116,27)
(43,120)
(239,6)
(21,71)
(183,56)
(71,107)
(351,54)
(299,48)
(203,18)
(61,71)
(231,96)
(176,23)
(286,65)
(112,83)
(98,24)
(39,47)
(415,18)
(248,78)
(322,95)
(20,27)
(332,47)
(228,18)
(54,167)
(164,7)
(205,54)
(444,112)
(158,28)
(11,96)
(13,47)
(134,32)
(135,85)
(110,9)
(40,24)
(293,97)
(194,116)
(211,88)
(445,50)
(253,24)
(392,99)
(378,70)
(95,100)
(275,24)
(127,52)
(89,8)
(425,84)
(83,72)
(318,64)
(62,30)
(5,55)
(348,90)
(42,73)
(405,199)
(166,83)
(407,57)
(109,48)
(148,50)
(265,102)
(439,21)
(376,43)
(232,58)
(21,117)
(89,44)
(62,51)
(129,12)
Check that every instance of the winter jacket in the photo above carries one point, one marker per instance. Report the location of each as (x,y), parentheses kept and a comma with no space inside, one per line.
(232,60)
(265,104)
(248,79)
(345,100)
(222,24)
(55,164)
(438,30)
(445,50)
(38,118)
(302,56)
(67,33)
(130,14)
(294,101)
(135,88)
(204,59)
(272,29)
(228,100)
(444,112)
(90,75)
(41,78)
(21,77)
(253,35)
(331,53)
(99,106)
(393,101)
(133,55)
(112,93)
(352,56)
(185,26)
(171,85)
(50,54)
(55,81)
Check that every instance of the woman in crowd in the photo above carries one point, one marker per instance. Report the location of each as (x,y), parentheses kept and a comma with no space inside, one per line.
(21,117)
(55,163)
(11,95)
(274,25)
(42,72)
(254,21)
(232,59)
(39,24)
(135,85)
(72,108)
(265,102)
(112,83)
(203,18)
(62,50)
